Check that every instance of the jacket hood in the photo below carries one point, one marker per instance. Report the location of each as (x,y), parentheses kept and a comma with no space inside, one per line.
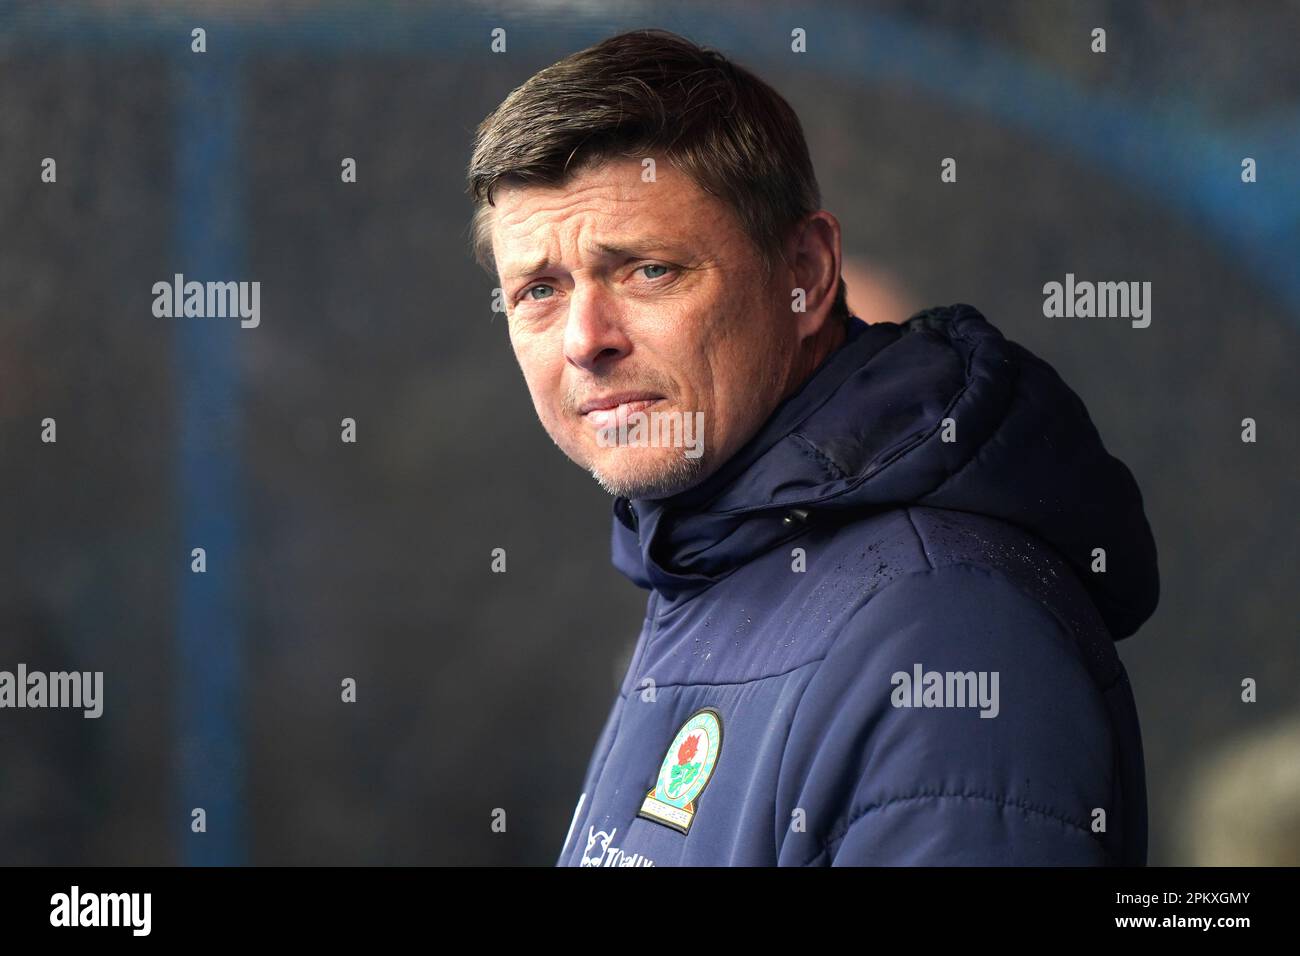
(865,433)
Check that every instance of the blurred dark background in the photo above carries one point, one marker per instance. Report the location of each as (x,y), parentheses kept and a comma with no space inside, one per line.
(372,560)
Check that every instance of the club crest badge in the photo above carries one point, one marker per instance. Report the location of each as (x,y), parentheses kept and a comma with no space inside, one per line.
(675,798)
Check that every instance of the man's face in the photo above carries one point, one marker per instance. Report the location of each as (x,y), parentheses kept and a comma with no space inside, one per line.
(625,296)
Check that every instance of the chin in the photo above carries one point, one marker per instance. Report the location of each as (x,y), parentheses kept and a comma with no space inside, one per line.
(653,476)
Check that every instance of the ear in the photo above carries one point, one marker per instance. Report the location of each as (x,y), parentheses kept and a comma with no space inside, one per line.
(814,257)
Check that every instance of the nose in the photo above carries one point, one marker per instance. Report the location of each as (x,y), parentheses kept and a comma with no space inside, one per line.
(593,332)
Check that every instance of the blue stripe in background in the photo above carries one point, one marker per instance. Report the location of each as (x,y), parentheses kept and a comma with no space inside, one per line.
(209,236)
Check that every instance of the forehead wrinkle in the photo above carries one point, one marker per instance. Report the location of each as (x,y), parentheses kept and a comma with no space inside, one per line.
(620,248)
(621,189)
(547,199)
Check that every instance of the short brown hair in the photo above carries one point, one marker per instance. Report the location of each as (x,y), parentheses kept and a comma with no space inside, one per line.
(644,92)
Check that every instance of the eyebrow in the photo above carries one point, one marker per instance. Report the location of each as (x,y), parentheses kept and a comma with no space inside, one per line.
(626,248)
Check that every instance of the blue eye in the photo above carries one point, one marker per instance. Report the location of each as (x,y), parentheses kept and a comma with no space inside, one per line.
(528,293)
(655,266)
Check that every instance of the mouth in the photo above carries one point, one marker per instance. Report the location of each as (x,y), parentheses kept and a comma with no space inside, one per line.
(609,410)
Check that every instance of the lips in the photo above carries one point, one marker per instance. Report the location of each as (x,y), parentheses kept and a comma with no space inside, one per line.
(615,399)
(609,410)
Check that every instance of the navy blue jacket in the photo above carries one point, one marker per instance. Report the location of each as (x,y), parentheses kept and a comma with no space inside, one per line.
(883,632)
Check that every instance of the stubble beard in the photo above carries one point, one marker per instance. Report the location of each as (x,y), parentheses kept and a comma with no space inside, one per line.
(664,476)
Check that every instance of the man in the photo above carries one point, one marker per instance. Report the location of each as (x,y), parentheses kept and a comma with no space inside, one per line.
(887,563)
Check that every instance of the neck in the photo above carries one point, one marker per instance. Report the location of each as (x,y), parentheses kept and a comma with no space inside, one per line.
(813,352)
